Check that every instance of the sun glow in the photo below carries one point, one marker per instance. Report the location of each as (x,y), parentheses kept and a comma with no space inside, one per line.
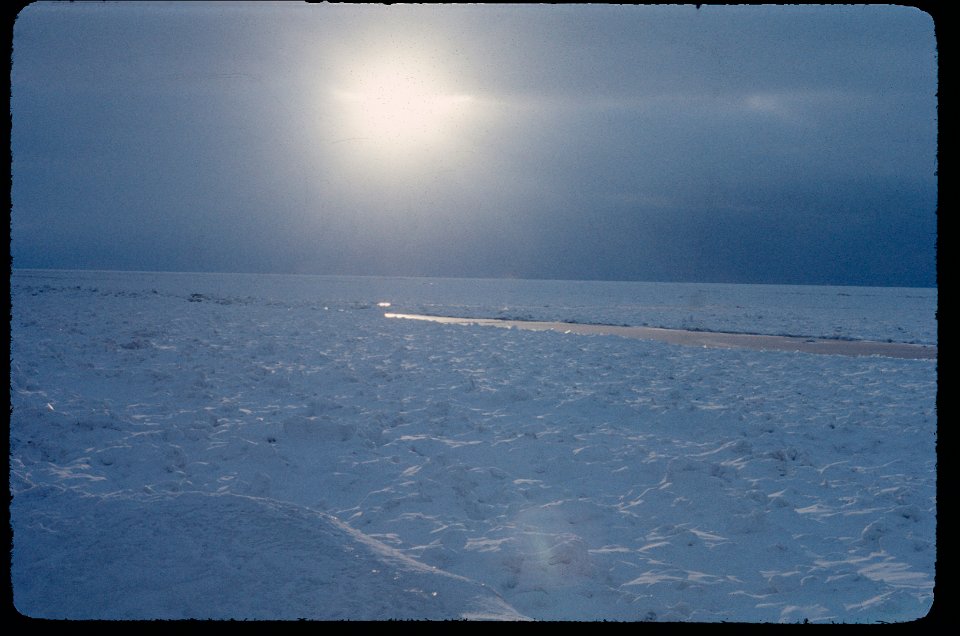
(394,108)
(400,109)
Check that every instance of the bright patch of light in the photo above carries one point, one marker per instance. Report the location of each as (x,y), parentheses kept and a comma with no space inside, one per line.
(397,106)
(400,110)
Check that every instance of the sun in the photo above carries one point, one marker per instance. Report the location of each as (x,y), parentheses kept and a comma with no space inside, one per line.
(400,108)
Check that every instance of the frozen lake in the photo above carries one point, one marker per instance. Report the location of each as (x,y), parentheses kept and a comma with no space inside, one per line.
(249,446)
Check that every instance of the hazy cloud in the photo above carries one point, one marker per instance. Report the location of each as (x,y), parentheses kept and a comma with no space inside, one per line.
(752,144)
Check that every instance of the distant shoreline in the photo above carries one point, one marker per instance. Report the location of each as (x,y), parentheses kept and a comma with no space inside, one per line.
(708,339)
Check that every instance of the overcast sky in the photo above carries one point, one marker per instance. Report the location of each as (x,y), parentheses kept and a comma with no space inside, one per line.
(726,144)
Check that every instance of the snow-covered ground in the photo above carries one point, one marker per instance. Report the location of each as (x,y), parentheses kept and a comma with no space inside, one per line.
(239,446)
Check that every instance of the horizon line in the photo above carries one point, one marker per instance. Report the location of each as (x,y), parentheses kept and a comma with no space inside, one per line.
(497,278)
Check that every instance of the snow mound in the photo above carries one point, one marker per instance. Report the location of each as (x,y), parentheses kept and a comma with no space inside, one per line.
(161,555)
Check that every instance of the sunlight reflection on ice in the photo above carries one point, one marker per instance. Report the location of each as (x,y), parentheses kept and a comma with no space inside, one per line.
(710,339)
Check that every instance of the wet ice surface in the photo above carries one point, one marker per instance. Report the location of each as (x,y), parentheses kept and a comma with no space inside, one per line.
(273,447)
(711,339)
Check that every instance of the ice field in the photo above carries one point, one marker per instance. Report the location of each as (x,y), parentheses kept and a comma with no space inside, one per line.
(273,447)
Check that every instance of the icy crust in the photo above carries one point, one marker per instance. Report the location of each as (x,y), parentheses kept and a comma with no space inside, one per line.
(192,447)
